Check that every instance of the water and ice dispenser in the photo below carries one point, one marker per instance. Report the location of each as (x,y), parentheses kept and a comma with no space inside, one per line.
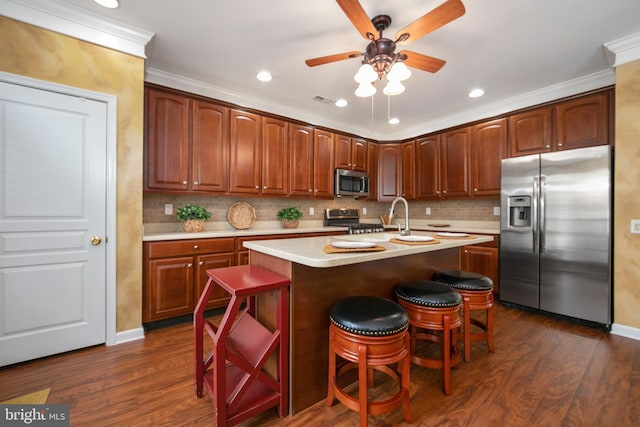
(520,211)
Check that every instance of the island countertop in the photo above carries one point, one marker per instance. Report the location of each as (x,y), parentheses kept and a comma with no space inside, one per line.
(308,250)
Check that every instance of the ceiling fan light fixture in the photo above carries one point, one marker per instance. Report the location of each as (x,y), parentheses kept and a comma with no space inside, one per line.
(393,87)
(399,72)
(366,74)
(365,90)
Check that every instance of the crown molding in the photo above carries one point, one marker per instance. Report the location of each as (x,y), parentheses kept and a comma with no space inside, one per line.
(623,50)
(75,22)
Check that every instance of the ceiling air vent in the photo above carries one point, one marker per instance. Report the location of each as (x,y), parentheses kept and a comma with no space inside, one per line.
(323,99)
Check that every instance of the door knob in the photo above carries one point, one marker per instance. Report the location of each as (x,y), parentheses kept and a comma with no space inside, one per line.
(95,240)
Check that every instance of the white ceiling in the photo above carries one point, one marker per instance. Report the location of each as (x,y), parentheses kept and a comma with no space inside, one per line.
(520,52)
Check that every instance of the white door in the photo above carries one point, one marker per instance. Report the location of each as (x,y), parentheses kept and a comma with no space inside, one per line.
(52,222)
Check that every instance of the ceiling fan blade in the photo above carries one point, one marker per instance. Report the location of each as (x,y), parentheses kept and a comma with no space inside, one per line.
(358,18)
(332,58)
(422,62)
(431,21)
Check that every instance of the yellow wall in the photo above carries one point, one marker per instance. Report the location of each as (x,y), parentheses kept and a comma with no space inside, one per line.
(33,52)
(627,196)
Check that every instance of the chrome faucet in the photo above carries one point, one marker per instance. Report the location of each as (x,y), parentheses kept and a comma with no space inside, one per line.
(406,230)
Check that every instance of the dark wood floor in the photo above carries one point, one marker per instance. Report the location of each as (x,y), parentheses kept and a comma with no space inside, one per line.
(545,372)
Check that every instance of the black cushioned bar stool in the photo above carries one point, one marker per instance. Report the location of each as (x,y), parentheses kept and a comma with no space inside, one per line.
(434,315)
(477,294)
(369,333)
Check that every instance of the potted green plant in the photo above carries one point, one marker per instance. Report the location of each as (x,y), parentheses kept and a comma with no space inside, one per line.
(193,217)
(289,217)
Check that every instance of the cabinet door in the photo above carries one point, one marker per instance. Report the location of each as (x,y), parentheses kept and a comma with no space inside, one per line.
(210,145)
(167,141)
(343,152)
(582,122)
(389,172)
(372,168)
(455,155)
(275,152)
(322,163)
(301,160)
(219,297)
(169,288)
(428,168)
(245,154)
(530,132)
(482,260)
(488,148)
(359,154)
(409,170)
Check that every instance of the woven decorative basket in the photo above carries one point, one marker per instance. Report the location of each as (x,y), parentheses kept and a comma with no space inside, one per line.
(193,225)
(241,215)
(289,223)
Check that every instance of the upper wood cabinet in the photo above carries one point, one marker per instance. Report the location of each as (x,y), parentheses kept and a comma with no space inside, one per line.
(530,132)
(322,163)
(184,137)
(582,122)
(167,141)
(455,149)
(373,149)
(428,167)
(301,160)
(275,155)
(350,153)
(244,152)
(488,148)
(389,172)
(409,170)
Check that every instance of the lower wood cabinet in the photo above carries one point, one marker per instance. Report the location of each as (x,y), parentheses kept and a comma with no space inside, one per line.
(175,275)
(483,259)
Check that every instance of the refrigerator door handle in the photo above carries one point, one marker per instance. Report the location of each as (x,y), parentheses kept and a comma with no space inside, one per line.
(542,224)
(534,214)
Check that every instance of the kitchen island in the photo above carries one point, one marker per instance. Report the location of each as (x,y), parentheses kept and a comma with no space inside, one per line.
(318,280)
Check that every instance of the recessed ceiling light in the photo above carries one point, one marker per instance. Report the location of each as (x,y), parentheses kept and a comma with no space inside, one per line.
(111,4)
(394,121)
(341,102)
(264,76)
(475,93)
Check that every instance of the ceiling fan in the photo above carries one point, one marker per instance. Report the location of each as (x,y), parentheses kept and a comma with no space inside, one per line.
(380,53)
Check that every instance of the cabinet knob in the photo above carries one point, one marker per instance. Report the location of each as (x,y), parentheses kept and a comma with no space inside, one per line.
(184,182)
(310,190)
(189,265)
(316,190)
(196,183)
(475,189)
(195,246)
(257,187)
(201,263)
(547,146)
(560,145)
(264,188)
(444,191)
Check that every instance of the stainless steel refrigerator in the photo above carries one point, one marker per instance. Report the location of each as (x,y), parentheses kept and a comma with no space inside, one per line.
(555,228)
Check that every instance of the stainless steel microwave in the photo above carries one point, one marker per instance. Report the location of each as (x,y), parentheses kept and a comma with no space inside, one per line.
(351,183)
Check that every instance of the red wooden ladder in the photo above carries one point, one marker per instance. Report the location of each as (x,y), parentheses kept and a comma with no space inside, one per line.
(233,372)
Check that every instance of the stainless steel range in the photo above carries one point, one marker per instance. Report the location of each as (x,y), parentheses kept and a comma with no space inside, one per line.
(350,218)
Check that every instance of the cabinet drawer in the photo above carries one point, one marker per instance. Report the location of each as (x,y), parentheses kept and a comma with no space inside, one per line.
(189,247)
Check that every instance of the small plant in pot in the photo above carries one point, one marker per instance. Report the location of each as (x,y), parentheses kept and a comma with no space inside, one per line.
(193,218)
(289,217)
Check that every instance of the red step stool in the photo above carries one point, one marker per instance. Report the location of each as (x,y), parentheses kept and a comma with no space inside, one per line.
(233,373)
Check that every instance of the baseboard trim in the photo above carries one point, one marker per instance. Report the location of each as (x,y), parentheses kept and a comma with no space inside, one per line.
(625,331)
(130,335)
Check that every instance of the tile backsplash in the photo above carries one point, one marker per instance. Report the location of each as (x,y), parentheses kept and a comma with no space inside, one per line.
(266,208)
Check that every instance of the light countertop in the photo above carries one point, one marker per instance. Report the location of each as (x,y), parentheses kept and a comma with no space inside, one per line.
(173,231)
(308,250)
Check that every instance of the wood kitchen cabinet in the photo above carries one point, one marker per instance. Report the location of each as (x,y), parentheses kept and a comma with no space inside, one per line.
(373,150)
(530,132)
(311,162)
(488,148)
(582,122)
(175,275)
(184,137)
(389,172)
(483,259)
(322,163)
(409,170)
(455,155)
(275,155)
(428,168)
(350,153)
